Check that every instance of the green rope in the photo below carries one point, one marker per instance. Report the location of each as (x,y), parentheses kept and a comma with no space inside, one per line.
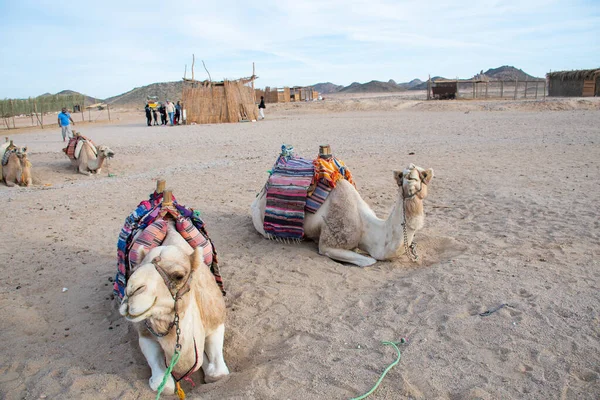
(174,360)
(384,372)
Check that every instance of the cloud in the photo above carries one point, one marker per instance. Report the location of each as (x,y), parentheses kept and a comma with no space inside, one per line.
(106,48)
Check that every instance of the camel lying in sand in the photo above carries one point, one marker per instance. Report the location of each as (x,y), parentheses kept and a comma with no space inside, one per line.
(88,162)
(173,289)
(346,222)
(18,168)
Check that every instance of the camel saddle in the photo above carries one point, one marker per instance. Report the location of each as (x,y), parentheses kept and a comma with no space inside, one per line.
(75,145)
(146,228)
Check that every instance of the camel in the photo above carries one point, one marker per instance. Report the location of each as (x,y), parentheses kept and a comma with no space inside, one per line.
(88,162)
(18,168)
(173,277)
(346,222)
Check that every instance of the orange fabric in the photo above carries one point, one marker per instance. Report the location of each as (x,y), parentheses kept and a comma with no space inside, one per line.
(330,170)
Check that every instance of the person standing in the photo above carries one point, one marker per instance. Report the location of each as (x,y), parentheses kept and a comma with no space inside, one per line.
(163,114)
(63,121)
(261,107)
(170,111)
(148,114)
(155,116)
(177,113)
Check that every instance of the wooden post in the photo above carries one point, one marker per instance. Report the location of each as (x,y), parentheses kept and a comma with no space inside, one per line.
(501,89)
(89,115)
(108,109)
(474,89)
(429,87)
(536,89)
(42,114)
(160,185)
(526,89)
(253,91)
(12,113)
(486,90)
(167,200)
(193,61)
(516,86)
(544,90)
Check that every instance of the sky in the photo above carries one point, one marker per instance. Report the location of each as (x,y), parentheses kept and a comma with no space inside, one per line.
(106,48)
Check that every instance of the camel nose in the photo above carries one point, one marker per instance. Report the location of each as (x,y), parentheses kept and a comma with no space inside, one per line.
(123,309)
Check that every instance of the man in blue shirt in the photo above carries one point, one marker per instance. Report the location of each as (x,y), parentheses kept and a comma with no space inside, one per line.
(63,121)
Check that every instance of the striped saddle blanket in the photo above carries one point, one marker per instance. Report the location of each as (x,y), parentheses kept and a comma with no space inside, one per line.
(297,186)
(146,228)
(75,145)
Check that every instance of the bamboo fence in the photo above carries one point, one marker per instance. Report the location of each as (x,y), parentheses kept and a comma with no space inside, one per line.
(217,102)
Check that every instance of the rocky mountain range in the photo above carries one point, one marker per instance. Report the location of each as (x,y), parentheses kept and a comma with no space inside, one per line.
(172,90)
(505,72)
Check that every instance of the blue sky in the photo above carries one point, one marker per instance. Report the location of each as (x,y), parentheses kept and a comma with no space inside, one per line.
(107,48)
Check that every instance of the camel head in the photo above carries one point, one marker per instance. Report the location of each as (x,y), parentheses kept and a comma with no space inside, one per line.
(21,152)
(105,151)
(414,181)
(164,271)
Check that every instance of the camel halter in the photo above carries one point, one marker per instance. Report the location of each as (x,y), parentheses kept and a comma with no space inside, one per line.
(176,295)
(410,250)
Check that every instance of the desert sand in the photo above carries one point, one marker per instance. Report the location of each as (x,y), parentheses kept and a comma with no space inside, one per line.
(511,218)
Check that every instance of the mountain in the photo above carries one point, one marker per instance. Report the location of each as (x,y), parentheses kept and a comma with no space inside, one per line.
(327,87)
(372,87)
(88,99)
(508,73)
(138,96)
(410,85)
(423,85)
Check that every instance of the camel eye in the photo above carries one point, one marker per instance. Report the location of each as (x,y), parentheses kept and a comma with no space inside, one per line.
(178,276)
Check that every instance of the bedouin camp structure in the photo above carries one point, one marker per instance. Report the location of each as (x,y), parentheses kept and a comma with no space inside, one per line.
(274,95)
(210,102)
(580,83)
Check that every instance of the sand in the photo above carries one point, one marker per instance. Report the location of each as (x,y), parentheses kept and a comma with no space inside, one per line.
(511,218)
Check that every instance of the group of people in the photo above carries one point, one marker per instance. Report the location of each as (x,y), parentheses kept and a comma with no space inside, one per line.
(173,111)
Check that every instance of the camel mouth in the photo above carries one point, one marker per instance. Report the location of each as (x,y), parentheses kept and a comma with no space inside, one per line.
(134,317)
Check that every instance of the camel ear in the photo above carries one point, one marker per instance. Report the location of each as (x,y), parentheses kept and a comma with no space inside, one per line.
(24,149)
(142,252)
(197,258)
(398,176)
(427,176)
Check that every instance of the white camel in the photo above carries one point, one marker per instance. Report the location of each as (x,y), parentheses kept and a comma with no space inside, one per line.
(173,289)
(346,222)
(88,162)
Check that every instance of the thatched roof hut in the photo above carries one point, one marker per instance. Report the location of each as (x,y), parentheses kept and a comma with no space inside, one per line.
(585,82)
(209,102)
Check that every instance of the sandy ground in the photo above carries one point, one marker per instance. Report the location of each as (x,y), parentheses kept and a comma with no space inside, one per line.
(512,217)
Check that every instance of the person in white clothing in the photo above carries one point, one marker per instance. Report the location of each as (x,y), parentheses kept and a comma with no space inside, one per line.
(170,111)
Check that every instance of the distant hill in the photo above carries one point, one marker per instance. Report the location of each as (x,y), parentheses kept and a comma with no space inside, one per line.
(372,87)
(327,87)
(410,85)
(508,73)
(88,99)
(138,96)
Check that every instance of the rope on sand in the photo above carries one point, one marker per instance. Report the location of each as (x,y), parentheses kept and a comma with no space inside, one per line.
(394,344)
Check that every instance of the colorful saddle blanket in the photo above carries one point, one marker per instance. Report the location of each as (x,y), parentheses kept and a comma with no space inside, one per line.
(75,145)
(146,228)
(296,186)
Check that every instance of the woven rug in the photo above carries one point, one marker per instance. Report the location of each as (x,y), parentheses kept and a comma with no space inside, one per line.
(145,229)
(287,189)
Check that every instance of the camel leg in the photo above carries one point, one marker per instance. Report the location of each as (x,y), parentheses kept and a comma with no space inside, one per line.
(83,169)
(348,256)
(156,360)
(213,363)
